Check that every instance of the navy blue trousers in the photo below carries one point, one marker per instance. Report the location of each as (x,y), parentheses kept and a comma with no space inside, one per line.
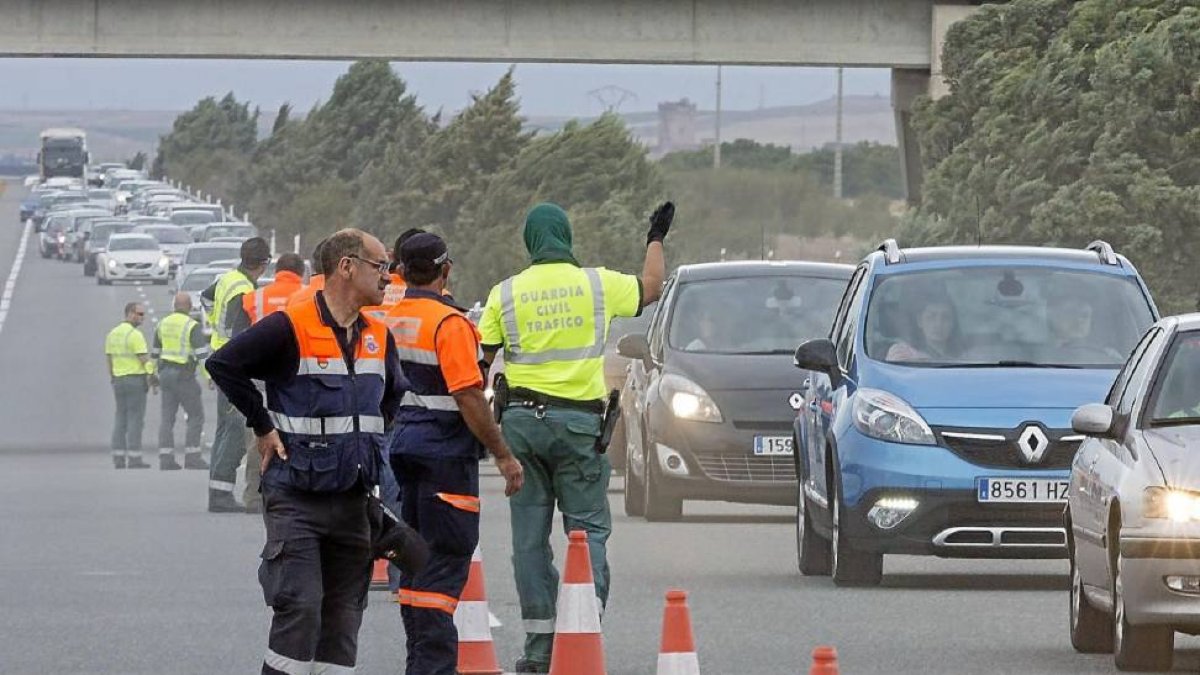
(440,498)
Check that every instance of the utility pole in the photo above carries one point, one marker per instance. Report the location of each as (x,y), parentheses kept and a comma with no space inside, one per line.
(837,140)
(717,145)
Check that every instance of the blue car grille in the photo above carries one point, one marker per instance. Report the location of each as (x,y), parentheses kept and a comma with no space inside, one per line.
(742,467)
(1002,451)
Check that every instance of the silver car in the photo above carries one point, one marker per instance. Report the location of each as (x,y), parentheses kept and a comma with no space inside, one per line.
(1133,506)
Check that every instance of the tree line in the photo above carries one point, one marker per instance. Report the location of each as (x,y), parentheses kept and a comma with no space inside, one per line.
(371,157)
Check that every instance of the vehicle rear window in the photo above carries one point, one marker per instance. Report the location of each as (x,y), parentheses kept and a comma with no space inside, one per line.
(203,256)
(133,244)
(169,235)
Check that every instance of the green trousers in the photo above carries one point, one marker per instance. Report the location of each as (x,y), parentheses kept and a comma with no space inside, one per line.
(557,451)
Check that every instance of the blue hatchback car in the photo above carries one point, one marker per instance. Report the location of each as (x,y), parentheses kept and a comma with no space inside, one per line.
(937,416)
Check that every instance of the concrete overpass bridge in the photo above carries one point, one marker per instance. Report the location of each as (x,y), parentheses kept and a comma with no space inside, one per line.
(904,35)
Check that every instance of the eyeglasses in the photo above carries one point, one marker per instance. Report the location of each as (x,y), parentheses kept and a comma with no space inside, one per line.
(382,267)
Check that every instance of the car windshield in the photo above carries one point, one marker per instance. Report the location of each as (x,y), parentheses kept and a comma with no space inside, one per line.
(133,244)
(198,281)
(100,194)
(753,315)
(101,233)
(1176,396)
(203,256)
(192,217)
(229,231)
(169,235)
(1005,316)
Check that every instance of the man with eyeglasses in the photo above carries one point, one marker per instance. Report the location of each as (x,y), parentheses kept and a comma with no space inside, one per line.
(132,374)
(332,377)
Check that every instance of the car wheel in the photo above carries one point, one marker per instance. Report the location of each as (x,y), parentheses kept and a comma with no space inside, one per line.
(1138,648)
(850,567)
(1091,629)
(812,550)
(635,494)
(659,507)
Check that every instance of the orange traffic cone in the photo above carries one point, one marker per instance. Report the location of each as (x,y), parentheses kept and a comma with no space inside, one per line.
(578,644)
(379,575)
(476,653)
(677,653)
(824,661)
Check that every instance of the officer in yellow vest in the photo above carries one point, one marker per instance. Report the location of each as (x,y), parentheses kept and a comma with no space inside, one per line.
(228,318)
(179,345)
(132,373)
(551,320)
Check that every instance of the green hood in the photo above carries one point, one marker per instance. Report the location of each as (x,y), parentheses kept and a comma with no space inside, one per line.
(548,234)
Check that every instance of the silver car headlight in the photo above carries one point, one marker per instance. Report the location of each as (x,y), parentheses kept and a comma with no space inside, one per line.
(887,417)
(112,264)
(688,400)
(164,262)
(1177,505)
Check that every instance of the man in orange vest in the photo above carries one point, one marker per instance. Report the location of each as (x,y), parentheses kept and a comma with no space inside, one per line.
(316,283)
(289,278)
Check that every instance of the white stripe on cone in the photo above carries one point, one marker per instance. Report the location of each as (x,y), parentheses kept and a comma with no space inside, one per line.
(471,620)
(578,609)
(679,663)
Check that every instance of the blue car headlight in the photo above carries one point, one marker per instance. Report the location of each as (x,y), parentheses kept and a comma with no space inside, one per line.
(887,417)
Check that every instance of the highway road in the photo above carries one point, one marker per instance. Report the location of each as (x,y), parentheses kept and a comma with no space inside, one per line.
(125,572)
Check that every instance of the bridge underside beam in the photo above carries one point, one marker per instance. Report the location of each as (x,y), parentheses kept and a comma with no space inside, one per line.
(876,33)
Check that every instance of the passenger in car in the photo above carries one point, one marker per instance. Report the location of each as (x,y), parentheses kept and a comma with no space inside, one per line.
(935,332)
(1069,316)
(707,332)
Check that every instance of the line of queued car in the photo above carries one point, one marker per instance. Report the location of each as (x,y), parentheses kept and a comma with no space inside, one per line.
(946,404)
(131,228)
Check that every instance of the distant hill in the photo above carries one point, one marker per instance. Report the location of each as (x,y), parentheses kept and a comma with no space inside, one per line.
(118,134)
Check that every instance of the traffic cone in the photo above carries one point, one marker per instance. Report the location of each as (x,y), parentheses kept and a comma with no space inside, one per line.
(476,653)
(824,661)
(379,575)
(677,653)
(578,643)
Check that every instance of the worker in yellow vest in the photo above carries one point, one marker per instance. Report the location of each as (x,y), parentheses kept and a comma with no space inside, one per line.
(228,318)
(179,346)
(551,321)
(132,374)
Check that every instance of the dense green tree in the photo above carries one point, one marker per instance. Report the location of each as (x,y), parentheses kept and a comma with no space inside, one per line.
(225,127)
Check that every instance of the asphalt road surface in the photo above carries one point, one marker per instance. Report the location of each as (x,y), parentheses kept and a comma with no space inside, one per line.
(125,572)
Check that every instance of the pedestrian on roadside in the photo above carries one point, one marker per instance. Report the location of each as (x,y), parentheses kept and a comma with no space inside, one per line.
(179,346)
(332,377)
(551,321)
(289,279)
(131,373)
(442,430)
(228,318)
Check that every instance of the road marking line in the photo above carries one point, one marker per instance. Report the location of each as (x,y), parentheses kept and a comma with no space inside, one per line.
(11,283)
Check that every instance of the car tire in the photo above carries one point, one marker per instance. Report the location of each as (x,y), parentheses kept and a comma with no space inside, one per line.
(813,554)
(1091,628)
(1138,648)
(849,566)
(635,495)
(659,508)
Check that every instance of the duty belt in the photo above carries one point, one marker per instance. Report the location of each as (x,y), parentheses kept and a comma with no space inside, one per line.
(528,398)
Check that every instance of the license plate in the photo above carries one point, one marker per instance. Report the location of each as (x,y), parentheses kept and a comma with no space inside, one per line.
(1027,490)
(773,445)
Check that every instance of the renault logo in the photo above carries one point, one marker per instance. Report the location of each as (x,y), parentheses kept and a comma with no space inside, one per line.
(1033,444)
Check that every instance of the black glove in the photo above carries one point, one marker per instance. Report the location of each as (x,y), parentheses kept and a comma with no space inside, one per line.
(660,222)
(393,540)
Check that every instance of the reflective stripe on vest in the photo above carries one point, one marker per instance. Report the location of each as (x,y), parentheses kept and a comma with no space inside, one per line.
(230,285)
(326,426)
(175,338)
(513,352)
(443,403)
(337,366)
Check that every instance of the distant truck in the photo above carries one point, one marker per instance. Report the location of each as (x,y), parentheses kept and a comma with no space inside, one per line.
(63,153)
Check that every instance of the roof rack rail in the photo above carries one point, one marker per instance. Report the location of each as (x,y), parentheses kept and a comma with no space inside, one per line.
(1105,251)
(891,251)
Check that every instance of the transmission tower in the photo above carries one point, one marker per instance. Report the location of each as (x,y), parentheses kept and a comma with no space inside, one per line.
(611,97)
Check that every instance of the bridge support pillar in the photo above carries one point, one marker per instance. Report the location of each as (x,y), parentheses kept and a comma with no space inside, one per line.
(907,86)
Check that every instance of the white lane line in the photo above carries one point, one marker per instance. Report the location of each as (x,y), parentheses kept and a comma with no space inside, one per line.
(11,283)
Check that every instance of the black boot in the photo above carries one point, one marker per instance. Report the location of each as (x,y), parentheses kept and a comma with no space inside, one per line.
(194,460)
(166,462)
(136,462)
(220,501)
(118,462)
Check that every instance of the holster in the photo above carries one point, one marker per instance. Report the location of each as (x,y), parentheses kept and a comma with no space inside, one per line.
(499,396)
(612,413)
(393,540)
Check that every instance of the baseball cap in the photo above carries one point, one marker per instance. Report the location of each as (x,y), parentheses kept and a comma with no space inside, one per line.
(424,250)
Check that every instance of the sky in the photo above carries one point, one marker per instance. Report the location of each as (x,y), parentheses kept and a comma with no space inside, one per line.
(544,88)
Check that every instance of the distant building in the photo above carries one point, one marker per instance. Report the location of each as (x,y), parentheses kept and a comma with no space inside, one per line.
(676,127)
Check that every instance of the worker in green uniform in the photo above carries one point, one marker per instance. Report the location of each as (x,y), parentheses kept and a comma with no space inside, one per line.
(551,320)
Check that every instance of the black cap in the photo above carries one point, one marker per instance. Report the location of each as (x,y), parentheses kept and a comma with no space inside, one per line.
(425,250)
(255,251)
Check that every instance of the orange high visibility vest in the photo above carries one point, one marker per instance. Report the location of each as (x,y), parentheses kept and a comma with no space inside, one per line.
(393,294)
(273,297)
(315,283)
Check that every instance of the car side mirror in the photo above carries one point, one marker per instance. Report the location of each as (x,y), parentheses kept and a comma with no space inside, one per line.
(1094,419)
(635,346)
(821,356)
